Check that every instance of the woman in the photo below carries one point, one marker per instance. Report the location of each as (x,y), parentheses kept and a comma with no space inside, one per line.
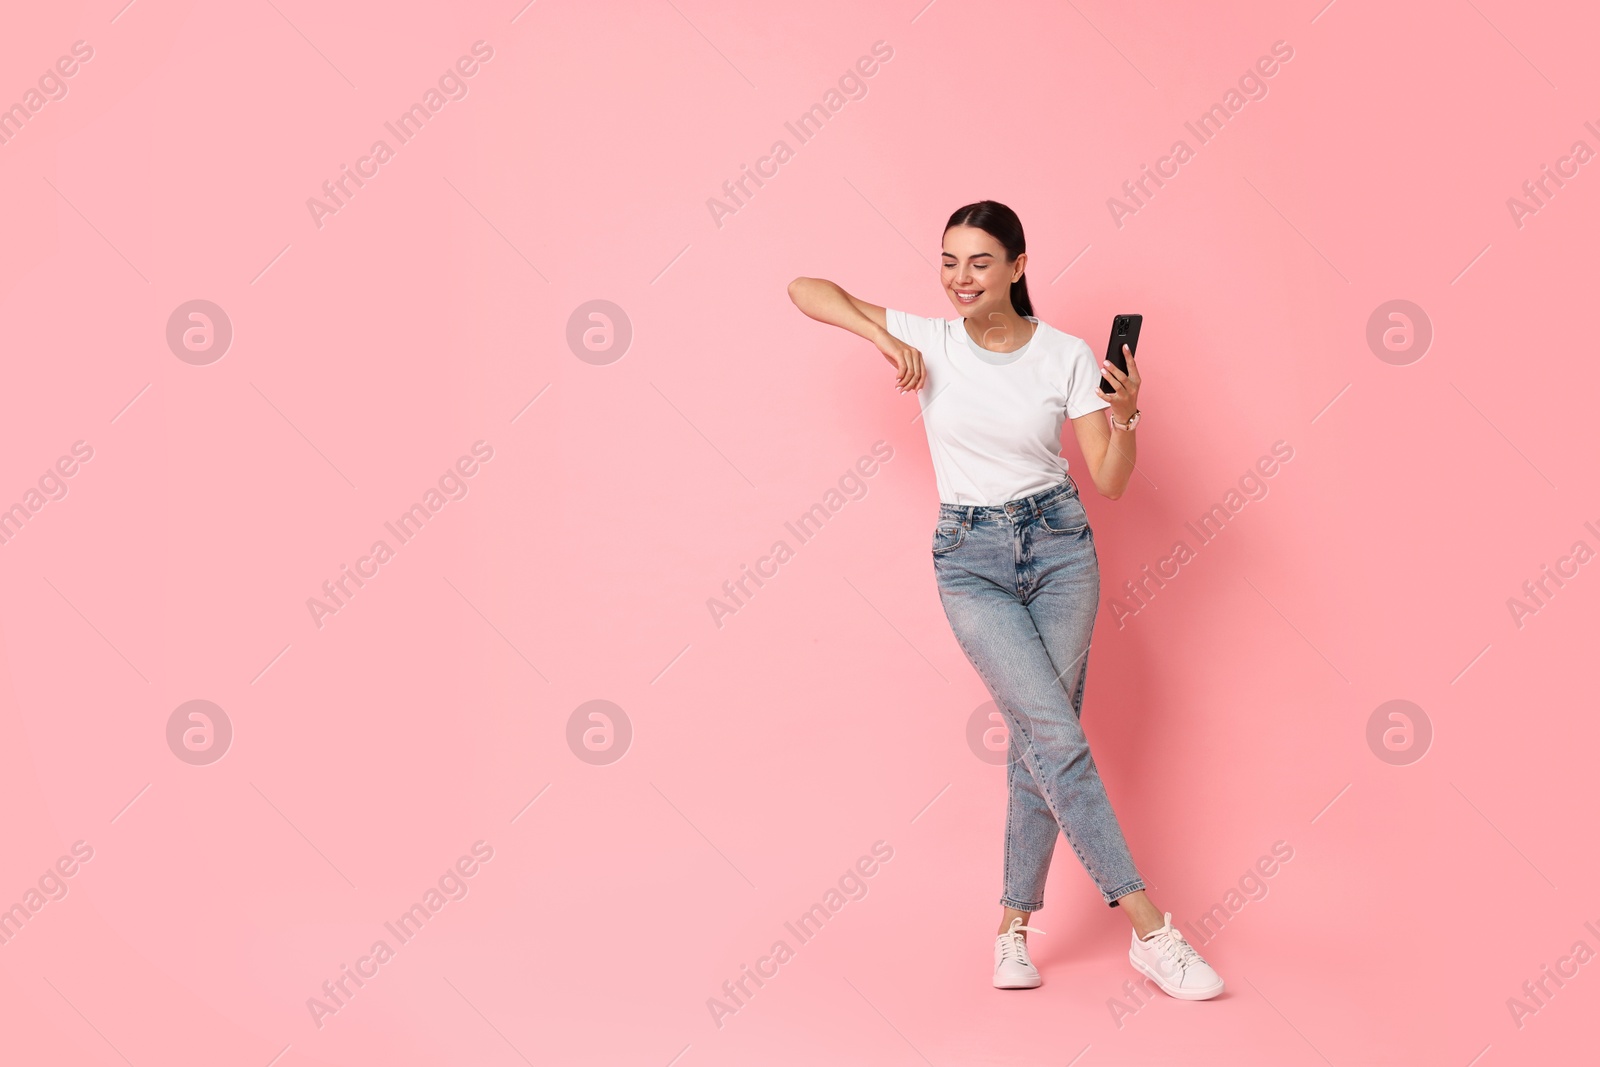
(1015,560)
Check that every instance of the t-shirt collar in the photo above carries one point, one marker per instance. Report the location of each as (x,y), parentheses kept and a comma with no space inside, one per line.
(998,359)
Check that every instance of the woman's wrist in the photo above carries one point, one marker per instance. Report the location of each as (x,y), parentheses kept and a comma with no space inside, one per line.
(1125,427)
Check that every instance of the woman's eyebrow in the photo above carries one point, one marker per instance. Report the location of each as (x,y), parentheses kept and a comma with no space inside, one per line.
(977,255)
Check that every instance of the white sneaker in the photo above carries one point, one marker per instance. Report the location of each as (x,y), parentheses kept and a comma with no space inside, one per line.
(1174,964)
(1012,967)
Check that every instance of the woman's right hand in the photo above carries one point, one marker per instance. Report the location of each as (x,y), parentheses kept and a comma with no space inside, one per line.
(907,361)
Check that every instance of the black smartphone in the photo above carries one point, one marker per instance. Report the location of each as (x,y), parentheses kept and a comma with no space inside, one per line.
(1124,331)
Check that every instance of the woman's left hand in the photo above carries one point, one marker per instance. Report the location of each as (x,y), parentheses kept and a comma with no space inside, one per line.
(1124,396)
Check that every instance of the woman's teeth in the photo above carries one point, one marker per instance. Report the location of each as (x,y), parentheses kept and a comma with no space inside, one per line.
(968,297)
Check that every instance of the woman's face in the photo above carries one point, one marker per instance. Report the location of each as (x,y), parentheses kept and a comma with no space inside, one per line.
(976,275)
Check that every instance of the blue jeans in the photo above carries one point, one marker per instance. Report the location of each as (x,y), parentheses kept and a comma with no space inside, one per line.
(1020,584)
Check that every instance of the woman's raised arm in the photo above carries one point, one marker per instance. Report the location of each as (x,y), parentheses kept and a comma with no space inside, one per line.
(824,301)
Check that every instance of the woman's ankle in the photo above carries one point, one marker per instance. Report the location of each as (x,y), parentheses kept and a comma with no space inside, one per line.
(1142,914)
(1010,914)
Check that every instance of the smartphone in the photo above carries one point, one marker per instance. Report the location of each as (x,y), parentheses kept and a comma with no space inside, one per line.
(1124,331)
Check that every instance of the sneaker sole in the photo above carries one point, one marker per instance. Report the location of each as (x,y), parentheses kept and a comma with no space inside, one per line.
(1179,994)
(1034,984)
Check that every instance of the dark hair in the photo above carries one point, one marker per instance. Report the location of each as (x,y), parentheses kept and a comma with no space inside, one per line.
(1001,223)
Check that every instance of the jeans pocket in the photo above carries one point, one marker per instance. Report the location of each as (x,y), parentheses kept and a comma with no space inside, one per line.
(947,535)
(1064,515)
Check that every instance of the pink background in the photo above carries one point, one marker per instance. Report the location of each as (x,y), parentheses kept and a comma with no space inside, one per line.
(831,711)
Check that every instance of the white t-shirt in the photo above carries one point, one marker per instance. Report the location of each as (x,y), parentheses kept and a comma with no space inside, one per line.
(994,418)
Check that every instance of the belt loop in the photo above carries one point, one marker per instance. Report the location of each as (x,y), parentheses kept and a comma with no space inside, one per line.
(966,520)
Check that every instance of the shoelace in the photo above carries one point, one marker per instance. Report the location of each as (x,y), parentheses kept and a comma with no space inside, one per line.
(1013,947)
(1172,946)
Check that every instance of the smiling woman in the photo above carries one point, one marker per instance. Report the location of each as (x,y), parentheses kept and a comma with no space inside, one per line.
(1014,557)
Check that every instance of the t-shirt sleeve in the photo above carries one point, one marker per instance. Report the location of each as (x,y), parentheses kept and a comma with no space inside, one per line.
(914,330)
(1083,385)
